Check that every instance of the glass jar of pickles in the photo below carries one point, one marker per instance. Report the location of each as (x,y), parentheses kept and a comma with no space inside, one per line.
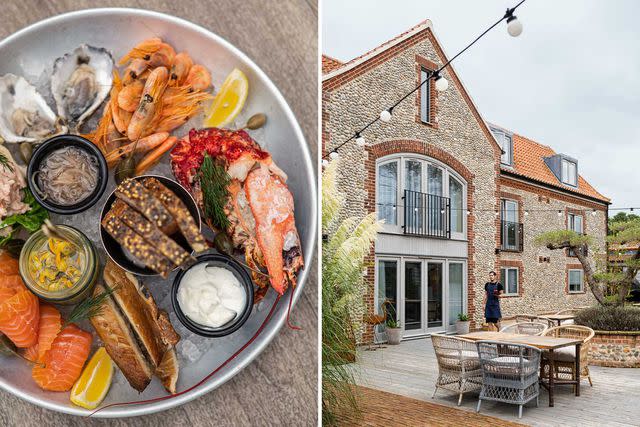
(61,271)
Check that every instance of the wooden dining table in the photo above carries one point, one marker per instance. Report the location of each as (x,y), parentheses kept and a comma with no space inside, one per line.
(541,342)
(559,318)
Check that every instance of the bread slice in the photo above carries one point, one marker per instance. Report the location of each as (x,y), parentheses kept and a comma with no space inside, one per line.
(133,193)
(179,212)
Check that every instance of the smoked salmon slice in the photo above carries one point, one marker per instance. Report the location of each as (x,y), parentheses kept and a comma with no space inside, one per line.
(64,361)
(19,316)
(50,325)
(13,282)
(8,265)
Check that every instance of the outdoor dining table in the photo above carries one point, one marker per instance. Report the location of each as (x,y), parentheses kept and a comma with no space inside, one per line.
(541,342)
(559,317)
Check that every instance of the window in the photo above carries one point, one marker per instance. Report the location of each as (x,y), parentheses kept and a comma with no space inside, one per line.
(575,280)
(574,223)
(506,143)
(455,194)
(510,227)
(509,279)
(425,96)
(387,191)
(569,172)
(388,285)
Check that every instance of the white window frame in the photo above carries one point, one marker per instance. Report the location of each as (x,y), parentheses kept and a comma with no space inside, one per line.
(425,96)
(504,137)
(571,225)
(401,158)
(581,281)
(506,276)
(566,179)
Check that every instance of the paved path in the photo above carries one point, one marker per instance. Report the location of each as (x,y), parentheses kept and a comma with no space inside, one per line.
(384,409)
(410,369)
(280,387)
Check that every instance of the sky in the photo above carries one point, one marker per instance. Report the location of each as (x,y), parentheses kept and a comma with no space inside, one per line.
(570,81)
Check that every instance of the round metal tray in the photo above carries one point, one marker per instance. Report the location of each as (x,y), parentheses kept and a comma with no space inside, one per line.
(30,52)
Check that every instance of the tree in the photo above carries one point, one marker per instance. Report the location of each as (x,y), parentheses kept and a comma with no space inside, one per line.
(621,217)
(344,247)
(609,283)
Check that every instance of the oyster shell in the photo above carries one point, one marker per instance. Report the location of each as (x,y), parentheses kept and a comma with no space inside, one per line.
(81,81)
(24,114)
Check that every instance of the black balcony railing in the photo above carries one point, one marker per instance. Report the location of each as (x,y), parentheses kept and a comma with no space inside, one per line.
(426,215)
(511,236)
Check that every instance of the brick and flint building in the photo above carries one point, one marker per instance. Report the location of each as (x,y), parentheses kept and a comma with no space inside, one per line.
(459,196)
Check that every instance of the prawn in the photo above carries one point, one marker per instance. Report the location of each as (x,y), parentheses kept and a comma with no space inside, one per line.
(145,48)
(182,63)
(129,96)
(198,78)
(144,144)
(150,103)
(154,156)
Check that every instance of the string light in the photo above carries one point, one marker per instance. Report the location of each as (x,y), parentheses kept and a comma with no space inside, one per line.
(334,155)
(513,26)
(526,213)
(325,163)
(593,213)
(559,212)
(385,115)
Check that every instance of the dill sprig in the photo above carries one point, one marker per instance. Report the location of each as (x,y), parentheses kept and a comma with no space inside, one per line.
(214,181)
(90,307)
(4,161)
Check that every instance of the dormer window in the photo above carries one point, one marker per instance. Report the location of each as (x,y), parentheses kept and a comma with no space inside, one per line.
(569,173)
(505,141)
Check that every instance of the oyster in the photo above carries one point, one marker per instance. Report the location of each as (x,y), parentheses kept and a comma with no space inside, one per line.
(24,114)
(81,81)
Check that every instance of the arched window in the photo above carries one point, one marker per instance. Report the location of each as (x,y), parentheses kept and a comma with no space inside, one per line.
(419,195)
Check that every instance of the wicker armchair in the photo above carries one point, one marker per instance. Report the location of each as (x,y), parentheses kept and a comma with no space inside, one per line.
(509,373)
(533,318)
(458,365)
(565,358)
(526,328)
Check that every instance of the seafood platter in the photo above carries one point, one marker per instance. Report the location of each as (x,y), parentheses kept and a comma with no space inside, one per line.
(157,212)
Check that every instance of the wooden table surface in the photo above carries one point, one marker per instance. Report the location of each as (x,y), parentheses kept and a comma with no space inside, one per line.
(541,342)
(560,317)
(280,386)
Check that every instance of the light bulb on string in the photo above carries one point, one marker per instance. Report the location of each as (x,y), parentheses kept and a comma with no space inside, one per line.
(385,115)
(593,213)
(468,213)
(360,141)
(514,26)
(325,163)
(334,155)
(559,213)
(441,83)
(526,213)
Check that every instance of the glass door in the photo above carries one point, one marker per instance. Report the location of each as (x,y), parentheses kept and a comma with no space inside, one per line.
(413,298)
(456,293)
(435,295)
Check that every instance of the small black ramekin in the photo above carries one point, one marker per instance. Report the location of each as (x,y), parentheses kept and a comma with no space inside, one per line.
(58,142)
(244,279)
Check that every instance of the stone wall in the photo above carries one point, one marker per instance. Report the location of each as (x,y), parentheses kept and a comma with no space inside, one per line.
(544,281)
(615,349)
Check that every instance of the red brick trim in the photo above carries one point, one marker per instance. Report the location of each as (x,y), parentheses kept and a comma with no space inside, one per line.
(566,279)
(548,194)
(520,266)
(421,63)
(417,147)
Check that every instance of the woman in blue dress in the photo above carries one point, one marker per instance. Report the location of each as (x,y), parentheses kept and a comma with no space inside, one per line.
(492,290)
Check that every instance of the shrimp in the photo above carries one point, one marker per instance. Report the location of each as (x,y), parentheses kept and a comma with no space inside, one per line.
(143,145)
(134,71)
(154,156)
(150,103)
(198,78)
(179,107)
(182,63)
(163,57)
(129,96)
(145,48)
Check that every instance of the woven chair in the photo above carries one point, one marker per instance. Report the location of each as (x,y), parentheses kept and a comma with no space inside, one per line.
(526,328)
(565,358)
(458,365)
(509,373)
(533,318)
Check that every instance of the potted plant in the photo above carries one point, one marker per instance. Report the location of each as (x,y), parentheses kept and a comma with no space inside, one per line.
(462,325)
(394,332)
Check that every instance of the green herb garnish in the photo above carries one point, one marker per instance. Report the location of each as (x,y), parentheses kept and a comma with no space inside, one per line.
(214,181)
(4,161)
(30,220)
(90,307)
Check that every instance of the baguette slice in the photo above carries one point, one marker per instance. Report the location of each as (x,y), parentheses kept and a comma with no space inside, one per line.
(179,212)
(136,245)
(152,234)
(120,342)
(139,198)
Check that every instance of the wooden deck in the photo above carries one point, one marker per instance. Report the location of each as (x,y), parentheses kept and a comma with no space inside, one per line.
(410,369)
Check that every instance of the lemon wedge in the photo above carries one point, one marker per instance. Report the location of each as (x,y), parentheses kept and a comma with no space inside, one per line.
(93,385)
(229,101)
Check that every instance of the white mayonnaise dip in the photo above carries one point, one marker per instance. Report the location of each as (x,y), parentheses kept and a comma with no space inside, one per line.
(211,296)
